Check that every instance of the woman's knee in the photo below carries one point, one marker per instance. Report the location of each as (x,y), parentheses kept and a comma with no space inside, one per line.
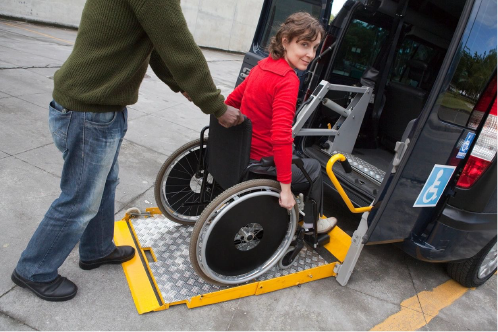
(313,167)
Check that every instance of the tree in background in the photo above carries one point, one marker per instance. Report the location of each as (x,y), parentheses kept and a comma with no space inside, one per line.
(473,71)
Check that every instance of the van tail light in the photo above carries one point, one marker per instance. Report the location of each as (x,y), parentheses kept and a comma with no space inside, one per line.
(482,105)
(484,150)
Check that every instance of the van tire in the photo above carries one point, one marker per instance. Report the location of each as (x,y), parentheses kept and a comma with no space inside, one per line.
(467,272)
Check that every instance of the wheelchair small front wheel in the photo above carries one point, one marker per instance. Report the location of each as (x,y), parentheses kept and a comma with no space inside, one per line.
(286,261)
(177,188)
(242,233)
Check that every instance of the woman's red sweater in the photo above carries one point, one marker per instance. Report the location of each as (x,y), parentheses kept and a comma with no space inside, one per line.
(268,97)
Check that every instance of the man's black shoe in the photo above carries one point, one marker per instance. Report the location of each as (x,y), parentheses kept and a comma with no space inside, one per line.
(60,289)
(120,255)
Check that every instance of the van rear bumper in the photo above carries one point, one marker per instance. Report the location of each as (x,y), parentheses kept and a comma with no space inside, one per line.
(456,235)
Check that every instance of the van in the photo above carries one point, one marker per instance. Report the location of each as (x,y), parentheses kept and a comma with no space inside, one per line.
(424,154)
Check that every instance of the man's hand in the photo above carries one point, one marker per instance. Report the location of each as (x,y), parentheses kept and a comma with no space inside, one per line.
(231,117)
(186,96)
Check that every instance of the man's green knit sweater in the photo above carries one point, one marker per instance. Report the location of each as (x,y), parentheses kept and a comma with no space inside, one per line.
(116,41)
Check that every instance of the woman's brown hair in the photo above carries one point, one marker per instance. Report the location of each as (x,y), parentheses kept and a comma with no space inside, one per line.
(301,25)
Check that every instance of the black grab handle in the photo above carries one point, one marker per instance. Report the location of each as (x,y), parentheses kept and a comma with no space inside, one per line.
(347,166)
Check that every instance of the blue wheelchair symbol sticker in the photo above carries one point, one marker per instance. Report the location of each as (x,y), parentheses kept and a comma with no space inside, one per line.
(434,186)
(465,145)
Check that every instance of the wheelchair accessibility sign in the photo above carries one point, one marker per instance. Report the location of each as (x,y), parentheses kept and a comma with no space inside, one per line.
(434,186)
(465,145)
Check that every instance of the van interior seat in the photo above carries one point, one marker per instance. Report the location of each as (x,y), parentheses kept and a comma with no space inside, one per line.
(404,102)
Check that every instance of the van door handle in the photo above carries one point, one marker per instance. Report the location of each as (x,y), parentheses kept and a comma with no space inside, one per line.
(400,150)
(245,72)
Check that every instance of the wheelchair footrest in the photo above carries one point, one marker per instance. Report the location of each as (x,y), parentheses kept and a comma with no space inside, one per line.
(322,240)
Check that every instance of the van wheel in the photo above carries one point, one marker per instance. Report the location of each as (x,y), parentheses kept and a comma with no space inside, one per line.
(476,270)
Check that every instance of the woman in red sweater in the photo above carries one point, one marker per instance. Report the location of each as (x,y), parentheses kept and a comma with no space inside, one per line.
(268,97)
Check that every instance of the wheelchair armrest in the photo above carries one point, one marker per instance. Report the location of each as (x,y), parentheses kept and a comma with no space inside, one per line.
(267,162)
(300,164)
(297,161)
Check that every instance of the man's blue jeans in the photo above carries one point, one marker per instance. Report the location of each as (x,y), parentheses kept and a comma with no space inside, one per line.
(84,211)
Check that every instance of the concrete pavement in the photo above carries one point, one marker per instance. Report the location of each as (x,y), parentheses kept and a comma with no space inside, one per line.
(160,122)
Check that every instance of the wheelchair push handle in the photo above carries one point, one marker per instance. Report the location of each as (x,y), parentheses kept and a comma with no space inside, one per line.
(347,168)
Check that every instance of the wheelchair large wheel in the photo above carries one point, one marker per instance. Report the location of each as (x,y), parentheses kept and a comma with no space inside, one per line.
(178,188)
(242,233)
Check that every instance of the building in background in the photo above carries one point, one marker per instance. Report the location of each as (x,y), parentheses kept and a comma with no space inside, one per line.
(222,24)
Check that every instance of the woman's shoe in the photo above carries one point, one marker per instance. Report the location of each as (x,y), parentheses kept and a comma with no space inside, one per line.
(325,225)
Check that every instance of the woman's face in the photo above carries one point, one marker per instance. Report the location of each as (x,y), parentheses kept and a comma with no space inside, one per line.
(299,54)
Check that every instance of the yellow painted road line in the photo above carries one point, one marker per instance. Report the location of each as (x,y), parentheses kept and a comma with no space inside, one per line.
(419,310)
(39,33)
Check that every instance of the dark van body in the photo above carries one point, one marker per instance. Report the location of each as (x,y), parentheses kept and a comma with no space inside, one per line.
(432,67)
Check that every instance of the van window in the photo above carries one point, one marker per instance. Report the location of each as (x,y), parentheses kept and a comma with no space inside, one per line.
(410,50)
(281,9)
(473,65)
(360,47)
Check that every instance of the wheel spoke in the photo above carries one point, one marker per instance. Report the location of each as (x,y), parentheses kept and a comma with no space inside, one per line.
(172,177)
(192,169)
(185,170)
(178,192)
(200,206)
(182,199)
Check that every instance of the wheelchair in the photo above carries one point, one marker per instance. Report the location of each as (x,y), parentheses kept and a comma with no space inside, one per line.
(240,231)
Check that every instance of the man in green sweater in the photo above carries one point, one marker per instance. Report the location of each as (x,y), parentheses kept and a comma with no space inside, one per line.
(116,42)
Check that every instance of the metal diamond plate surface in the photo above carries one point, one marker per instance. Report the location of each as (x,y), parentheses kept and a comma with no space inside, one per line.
(362,167)
(172,271)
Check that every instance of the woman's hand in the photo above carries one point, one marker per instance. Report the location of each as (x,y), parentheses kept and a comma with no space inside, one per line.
(286,199)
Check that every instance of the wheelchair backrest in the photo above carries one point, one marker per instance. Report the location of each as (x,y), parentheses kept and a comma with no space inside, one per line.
(228,151)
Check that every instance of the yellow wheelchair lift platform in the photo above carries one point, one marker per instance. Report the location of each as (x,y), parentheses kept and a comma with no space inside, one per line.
(160,274)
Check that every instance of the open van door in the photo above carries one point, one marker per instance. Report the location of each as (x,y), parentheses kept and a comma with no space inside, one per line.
(436,147)
(274,13)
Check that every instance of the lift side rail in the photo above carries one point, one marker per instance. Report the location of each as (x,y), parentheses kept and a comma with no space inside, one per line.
(342,136)
(345,269)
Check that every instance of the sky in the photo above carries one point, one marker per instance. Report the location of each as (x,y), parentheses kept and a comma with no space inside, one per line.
(484,30)
(336,6)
